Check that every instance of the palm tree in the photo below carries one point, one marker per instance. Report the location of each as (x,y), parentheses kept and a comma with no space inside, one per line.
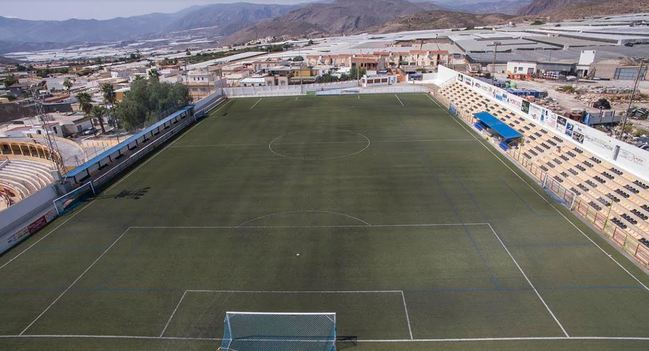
(108,93)
(99,112)
(85,103)
(67,83)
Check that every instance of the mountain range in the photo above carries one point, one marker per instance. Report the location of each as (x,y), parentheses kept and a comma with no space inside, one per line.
(213,20)
(339,17)
(566,9)
(241,22)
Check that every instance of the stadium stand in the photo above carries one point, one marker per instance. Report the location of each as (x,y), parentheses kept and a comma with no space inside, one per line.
(26,166)
(603,193)
(19,178)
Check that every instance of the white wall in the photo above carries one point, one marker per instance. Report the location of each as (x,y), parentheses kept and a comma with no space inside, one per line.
(17,221)
(517,67)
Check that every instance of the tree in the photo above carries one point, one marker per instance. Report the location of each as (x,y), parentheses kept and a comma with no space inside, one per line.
(148,100)
(326,78)
(98,112)
(85,102)
(108,93)
(153,74)
(10,80)
(602,104)
(356,73)
(67,83)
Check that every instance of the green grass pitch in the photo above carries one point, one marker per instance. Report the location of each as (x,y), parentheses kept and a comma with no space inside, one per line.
(387,211)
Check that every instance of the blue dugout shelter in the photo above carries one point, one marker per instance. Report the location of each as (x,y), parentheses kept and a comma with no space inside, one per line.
(507,134)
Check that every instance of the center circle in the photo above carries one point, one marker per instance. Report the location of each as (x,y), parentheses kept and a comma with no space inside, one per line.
(319,144)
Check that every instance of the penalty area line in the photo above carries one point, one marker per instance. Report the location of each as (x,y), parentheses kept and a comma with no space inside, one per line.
(440,340)
(529,282)
(463,126)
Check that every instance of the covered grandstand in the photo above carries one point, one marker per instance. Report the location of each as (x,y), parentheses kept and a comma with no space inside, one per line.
(506,135)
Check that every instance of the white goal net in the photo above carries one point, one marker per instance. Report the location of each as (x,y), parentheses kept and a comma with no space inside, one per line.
(263,331)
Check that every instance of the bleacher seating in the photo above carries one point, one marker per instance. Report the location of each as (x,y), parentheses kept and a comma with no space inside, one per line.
(20,178)
(595,182)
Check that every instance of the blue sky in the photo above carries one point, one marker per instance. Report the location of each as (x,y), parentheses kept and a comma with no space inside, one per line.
(102,9)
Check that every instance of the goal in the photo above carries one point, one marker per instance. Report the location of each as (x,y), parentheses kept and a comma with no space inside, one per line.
(70,199)
(558,192)
(272,331)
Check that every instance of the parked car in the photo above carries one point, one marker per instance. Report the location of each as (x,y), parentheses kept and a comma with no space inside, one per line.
(91,131)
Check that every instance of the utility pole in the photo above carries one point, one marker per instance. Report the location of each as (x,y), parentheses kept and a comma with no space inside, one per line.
(635,88)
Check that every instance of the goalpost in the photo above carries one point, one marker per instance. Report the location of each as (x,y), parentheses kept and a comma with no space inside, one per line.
(274,331)
(68,200)
(558,192)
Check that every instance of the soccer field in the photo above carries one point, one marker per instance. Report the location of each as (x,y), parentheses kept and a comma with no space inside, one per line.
(381,208)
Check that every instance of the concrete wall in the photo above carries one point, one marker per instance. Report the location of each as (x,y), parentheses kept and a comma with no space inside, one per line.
(26,217)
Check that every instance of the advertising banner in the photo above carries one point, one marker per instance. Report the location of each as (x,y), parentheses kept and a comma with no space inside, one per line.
(619,153)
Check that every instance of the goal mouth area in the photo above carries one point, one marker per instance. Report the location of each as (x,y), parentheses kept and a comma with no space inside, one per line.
(270,331)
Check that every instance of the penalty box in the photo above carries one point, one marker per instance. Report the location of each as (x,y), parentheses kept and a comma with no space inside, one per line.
(447,280)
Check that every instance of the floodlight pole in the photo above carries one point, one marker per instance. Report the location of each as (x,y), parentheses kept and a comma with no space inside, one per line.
(58,162)
(493,74)
(635,88)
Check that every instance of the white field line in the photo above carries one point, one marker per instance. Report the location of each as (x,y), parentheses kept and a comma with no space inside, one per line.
(529,282)
(128,337)
(523,338)
(46,235)
(75,281)
(253,106)
(424,225)
(297,291)
(108,189)
(325,142)
(401,102)
(305,212)
(173,314)
(405,307)
(544,199)
(423,340)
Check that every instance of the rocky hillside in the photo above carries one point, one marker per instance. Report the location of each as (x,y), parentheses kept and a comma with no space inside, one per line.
(509,7)
(442,19)
(334,18)
(564,9)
